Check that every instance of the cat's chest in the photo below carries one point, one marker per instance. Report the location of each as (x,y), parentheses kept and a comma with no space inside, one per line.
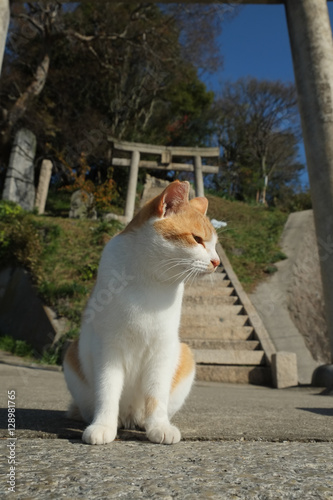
(151,309)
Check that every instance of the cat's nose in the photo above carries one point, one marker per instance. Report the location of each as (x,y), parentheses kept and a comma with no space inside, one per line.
(215,262)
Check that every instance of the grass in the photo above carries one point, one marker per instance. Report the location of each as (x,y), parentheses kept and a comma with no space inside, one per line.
(51,355)
(17,347)
(69,271)
(62,254)
(251,238)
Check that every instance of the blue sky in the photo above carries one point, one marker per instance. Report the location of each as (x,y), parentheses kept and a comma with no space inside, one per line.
(256,43)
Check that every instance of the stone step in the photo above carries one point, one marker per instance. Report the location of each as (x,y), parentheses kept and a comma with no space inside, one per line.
(208,291)
(259,375)
(229,357)
(223,316)
(227,331)
(210,313)
(212,283)
(212,300)
(214,278)
(242,345)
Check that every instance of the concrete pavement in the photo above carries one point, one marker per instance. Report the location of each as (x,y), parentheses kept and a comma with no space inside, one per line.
(239,441)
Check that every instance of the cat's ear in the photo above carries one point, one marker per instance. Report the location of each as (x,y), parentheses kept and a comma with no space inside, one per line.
(200,204)
(173,198)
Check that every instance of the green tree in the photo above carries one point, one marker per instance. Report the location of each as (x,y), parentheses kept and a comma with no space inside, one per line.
(77,73)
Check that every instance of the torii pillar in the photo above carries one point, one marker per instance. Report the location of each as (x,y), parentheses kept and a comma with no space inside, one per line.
(312,51)
(4,23)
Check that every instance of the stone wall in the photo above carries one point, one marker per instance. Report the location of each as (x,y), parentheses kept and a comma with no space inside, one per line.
(305,293)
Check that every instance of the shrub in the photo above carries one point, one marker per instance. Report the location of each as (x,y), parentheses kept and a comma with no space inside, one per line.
(17,347)
(9,209)
(104,193)
(24,238)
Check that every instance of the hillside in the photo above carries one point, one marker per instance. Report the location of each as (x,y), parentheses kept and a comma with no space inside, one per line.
(62,254)
(251,238)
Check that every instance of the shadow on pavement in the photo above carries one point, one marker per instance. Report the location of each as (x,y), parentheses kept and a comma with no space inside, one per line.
(42,423)
(32,423)
(327,412)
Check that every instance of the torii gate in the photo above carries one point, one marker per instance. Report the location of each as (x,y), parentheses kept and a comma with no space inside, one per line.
(166,163)
(312,51)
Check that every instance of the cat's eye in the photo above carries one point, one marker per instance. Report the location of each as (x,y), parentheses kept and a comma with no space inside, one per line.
(198,239)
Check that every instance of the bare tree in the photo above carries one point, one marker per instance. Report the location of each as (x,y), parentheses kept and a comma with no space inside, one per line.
(258,129)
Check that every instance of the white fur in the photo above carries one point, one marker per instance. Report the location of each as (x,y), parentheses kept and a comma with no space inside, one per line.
(129,346)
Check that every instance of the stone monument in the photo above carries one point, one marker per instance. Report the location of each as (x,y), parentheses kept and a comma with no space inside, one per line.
(19,183)
(82,205)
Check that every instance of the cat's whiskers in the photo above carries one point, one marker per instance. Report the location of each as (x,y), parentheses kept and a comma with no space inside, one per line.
(175,263)
(188,276)
(177,277)
(191,277)
(180,276)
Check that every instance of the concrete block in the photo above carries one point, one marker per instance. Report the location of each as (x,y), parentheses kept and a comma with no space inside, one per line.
(284,369)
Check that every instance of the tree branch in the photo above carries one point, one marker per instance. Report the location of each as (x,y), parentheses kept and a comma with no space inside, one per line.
(34,89)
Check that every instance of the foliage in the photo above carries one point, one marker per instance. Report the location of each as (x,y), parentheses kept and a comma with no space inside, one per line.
(139,59)
(24,239)
(104,193)
(51,355)
(184,116)
(58,202)
(20,242)
(9,209)
(17,347)
(257,125)
(89,272)
(69,272)
(293,200)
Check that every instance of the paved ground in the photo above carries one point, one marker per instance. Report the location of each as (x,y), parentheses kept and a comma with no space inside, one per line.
(239,442)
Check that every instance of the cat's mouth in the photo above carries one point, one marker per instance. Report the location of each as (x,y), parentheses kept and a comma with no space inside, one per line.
(210,270)
(203,268)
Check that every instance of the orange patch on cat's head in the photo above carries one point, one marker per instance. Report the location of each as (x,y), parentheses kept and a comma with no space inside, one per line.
(171,200)
(185,227)
(177,217)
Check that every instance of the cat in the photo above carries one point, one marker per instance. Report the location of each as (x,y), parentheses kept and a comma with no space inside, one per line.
(129,368)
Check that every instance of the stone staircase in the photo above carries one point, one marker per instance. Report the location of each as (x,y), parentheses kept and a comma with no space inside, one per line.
(222,327)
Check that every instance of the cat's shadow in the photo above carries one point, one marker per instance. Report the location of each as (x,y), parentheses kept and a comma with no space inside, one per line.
(39,423)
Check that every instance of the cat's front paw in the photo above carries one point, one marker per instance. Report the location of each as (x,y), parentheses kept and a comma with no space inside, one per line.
(164,434)
(99,434)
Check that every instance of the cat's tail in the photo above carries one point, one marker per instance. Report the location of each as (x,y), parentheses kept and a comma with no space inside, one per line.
(182,379)
(73,412)
(81,407)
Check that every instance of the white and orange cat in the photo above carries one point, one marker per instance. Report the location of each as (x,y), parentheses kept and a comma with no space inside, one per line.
(128,368)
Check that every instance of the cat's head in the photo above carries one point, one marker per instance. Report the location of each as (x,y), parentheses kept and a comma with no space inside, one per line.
(181,240)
